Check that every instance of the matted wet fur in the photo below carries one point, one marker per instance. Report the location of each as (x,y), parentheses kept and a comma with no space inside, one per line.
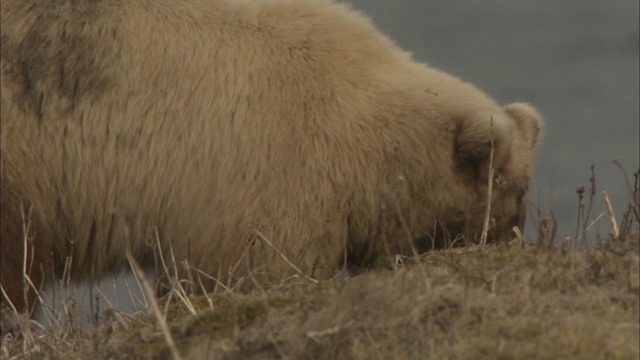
(229,129)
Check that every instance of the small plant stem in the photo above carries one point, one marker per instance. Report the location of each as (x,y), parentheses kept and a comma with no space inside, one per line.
(612,214)
(146,287)
(485,226)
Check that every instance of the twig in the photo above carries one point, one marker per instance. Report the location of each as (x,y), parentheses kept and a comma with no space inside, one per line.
(485,227)
(580,191)
(612,214)
(26,228)
(587,216)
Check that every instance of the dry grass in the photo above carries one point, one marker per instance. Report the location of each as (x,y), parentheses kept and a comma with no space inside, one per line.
(516,300)
(508,301)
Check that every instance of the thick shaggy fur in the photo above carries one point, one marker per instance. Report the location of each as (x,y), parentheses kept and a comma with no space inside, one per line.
(216,124)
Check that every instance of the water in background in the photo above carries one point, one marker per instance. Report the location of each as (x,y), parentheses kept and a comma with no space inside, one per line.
(575,60)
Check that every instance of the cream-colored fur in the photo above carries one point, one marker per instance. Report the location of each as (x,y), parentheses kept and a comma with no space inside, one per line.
(214,124)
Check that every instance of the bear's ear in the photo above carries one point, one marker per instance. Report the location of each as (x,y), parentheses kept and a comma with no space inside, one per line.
(476,134)
(528,121)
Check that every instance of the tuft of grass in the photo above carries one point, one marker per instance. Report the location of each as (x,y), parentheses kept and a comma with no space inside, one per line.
(505,301)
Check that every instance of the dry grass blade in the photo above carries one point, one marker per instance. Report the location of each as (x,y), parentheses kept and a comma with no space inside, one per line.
(263,238)
(146,287)
(612,215)
(487,215)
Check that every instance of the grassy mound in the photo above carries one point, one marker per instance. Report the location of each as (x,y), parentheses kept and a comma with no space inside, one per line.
(508,301)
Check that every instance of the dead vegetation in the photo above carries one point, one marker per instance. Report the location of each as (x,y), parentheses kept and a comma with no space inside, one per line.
(515,300)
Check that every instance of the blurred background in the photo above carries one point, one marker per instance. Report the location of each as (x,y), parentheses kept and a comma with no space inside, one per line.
(576,60)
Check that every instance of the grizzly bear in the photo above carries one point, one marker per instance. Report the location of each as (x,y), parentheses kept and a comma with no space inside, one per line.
(253,139)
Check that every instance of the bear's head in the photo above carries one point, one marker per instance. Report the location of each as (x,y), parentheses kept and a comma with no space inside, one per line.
(506,143)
